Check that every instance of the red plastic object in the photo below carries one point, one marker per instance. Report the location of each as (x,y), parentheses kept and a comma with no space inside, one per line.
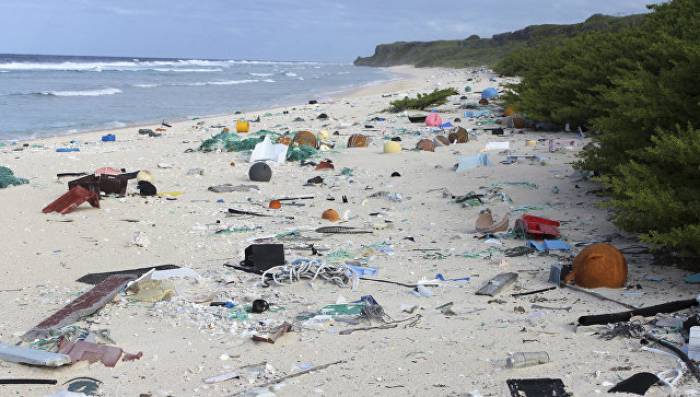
(84,305)
(538,228)
(91,352)
(72,199)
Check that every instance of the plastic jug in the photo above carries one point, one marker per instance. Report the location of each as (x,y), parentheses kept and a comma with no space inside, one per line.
(242,126)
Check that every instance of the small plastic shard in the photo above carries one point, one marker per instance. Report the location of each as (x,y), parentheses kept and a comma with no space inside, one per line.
(274,334)
(229,188)
(132,357)
(340,230)
(26,355)
(222,378)
(498,283)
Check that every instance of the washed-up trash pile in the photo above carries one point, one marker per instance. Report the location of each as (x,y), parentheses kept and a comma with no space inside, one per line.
(233,142)
(339,234)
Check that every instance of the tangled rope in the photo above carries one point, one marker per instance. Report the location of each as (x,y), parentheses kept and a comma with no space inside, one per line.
(375,313)
(311,269)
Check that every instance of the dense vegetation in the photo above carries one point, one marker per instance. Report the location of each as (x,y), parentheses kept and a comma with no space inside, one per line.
(422,101)
(476,51)
(637,90)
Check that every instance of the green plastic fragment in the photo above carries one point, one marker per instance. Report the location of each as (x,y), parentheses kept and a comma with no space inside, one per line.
(527,208)
(348,309)
(242,229)
(238,314)
(487,253)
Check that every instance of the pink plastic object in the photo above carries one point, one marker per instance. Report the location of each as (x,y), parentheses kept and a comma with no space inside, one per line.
(433,120)
(91,352)
(107,171)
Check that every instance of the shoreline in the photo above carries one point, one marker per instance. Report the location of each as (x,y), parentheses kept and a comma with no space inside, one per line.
(414,227)
(398,73)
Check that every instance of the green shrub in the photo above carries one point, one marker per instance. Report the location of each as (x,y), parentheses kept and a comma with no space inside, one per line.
(659,194)
(632,88)
(422,101)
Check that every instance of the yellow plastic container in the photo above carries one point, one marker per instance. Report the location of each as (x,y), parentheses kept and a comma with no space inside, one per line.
(144,175)
(324,135)
(392,147)
(242,126)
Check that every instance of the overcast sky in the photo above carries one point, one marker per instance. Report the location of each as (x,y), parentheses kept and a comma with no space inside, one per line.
(319,30)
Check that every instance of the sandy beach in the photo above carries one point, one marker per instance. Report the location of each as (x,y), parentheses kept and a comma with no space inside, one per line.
(442,353)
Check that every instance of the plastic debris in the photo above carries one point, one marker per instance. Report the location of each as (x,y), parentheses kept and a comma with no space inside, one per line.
(267,151)
(8,178)
(26,355)
(549,245)
(497,284)
(469,162)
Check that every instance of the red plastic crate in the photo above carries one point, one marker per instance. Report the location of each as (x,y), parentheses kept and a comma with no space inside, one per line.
(72,199)
(536,227)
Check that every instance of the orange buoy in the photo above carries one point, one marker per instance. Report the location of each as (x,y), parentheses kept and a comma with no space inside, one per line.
(331,215)
(599,265)
(358,140)
(275,204)
(306,138)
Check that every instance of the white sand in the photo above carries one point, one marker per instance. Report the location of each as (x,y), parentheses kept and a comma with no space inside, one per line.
(440,356)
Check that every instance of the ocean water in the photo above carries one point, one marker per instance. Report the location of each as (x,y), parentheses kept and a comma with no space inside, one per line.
(52,95)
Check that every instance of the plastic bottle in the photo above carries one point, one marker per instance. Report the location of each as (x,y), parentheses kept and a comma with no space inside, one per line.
(526,359)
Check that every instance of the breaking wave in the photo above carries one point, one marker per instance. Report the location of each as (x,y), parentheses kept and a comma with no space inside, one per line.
(185,70)
(183,65)
(146,85)
(203,83)
(101,92)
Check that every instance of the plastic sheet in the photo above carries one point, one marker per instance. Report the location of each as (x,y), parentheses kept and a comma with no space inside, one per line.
(268,151)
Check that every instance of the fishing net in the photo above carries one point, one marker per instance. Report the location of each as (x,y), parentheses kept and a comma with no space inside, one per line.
(242,145)
(232,142)
(300,153)
(8,178)
(218,142)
